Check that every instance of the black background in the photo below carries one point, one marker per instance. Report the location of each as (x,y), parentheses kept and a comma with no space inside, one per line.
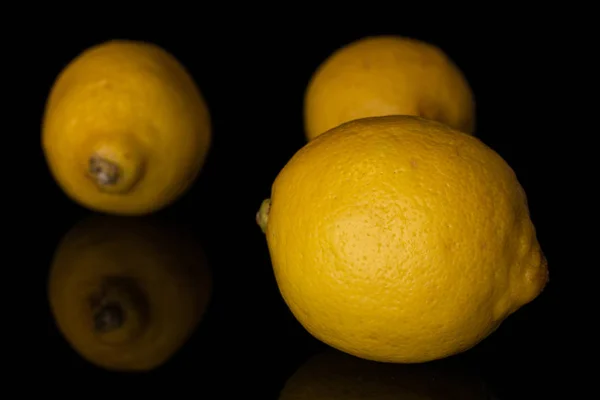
(253,79)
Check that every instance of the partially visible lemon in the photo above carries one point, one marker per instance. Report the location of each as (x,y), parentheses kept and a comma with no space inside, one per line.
(125,130)
(400,239)
(388,75)
(335,375)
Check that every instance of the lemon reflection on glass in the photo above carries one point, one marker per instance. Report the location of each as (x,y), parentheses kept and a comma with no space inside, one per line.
(127,293)
(336,375)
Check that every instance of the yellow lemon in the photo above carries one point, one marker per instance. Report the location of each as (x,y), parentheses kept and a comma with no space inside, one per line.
(125,130)
(128,293)
(335,375)
(387,75)
(399,239)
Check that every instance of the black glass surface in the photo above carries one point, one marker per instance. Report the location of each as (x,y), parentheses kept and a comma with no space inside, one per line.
(248,343)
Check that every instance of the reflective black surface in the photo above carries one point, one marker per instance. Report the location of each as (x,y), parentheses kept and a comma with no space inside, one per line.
(248,343)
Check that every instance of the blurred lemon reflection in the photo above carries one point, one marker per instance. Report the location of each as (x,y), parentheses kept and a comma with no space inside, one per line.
(127,293)
(335,375)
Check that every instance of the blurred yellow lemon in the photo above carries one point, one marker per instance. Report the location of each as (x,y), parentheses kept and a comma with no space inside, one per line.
(335,375)
(125,129)
(387,75)
(399,239)
(128,293)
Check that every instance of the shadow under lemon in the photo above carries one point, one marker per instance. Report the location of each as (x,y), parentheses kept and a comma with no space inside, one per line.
(127,293)
(336,375)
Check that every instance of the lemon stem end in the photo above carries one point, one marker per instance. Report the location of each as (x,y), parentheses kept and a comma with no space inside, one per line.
(262,216)
(105,173)
(109,318)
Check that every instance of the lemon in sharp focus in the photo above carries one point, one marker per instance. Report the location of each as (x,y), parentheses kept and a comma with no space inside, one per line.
(400,239)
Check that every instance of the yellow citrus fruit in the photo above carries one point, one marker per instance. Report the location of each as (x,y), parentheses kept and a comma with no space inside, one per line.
(128,293)
(335,375)
(387,75)
(125,130)
(399,239)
